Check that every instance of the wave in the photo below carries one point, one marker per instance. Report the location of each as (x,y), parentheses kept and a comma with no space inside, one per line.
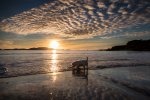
(7,75)
(120,65)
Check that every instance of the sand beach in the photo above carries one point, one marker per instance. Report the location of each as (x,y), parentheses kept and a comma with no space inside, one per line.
(65,86)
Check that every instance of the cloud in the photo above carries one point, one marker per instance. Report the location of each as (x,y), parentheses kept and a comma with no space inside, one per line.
(101,5)
(6,43)
(126,34)
(79,18)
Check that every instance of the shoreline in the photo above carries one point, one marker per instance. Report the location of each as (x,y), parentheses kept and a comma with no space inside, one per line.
(69,69)
(65,86)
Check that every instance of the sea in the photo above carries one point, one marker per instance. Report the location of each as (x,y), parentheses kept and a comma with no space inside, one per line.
(27,62)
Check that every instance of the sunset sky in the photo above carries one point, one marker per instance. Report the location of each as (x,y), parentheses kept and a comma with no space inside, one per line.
(75,24)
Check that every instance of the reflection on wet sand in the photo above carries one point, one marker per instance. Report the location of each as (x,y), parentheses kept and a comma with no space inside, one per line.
(54,61)
(54,67)
(64,86)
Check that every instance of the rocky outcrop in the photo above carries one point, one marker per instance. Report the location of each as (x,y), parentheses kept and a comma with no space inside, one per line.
(135,45)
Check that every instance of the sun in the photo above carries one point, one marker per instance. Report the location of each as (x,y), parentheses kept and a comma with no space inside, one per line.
(54,44)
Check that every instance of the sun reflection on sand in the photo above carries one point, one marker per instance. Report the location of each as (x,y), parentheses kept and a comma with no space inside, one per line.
(54,67)
(54,62)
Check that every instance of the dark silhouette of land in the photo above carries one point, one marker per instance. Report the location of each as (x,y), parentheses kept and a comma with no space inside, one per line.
(34,48)
(134,45)
(40,48)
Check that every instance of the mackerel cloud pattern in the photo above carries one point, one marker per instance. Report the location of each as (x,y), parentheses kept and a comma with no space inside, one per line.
(80,17)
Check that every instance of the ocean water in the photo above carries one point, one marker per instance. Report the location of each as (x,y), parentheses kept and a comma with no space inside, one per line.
(24,62)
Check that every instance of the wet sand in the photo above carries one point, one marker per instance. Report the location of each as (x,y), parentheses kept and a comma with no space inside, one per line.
(65,86)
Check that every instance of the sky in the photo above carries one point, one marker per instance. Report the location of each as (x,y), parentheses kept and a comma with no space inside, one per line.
(75,24)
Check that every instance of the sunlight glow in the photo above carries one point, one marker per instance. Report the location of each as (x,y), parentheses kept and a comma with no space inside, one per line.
(54,44)
(54,67)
